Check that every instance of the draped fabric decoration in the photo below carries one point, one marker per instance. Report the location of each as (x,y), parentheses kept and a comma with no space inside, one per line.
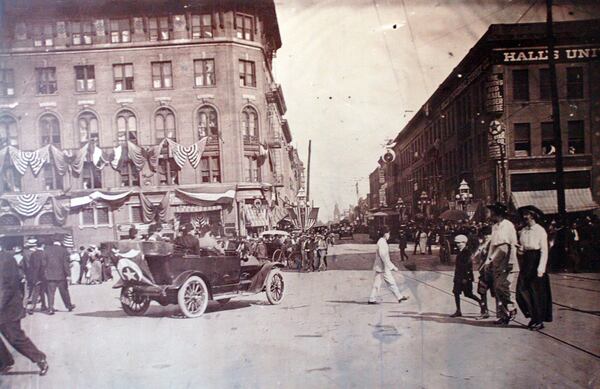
(43,154)
(96,156)
(3,154)
(152,212)
(19,162)
(153,154)
(294,218)
(192,153)
(60,160)
(222,196)
(117,156)
(104,196)
(199,221)
(26,204)
(60,211)
(278,214)
(262,153)
(79,158)
(135,155)
(256,216)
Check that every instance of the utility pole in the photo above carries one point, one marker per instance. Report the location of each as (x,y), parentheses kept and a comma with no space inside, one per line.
(308,173)
(558,160)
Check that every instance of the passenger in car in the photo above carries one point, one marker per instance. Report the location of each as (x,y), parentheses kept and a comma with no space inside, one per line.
(188,242)
(208,241)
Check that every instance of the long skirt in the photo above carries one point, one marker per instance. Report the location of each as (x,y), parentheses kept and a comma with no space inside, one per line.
(75,272)
(423,244)
(533,293)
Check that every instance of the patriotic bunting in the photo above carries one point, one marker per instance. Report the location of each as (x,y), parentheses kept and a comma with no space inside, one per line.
(117,155)
(60,160)
(26,204)
(60,211)
(135,155)
(153,153)
(3,154)
(17,159)
(192,153)
(79,158)
(199,221)
(108,197)
(151,212)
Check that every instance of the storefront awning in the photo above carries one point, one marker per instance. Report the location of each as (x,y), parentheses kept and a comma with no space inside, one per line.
(196,208)
(207,196)
(33,230)
(255,217)
(577,200)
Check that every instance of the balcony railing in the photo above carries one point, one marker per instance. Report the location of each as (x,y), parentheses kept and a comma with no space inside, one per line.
(275,141)
(275,96)
(251,139)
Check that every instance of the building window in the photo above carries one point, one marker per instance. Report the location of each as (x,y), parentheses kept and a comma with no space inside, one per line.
(8,132)
(251,169)
(85,78)
(120,31)
(159,28)
(52,180)
(43,35)
(136,214)
(576,137)
(544,84)
(204,72)
(208,124)
(164,121)
(244,27)
(250,125)
(91,177)
(202,26)
(548,147)
(46,81)
(46,219)
(123,77)
(162,76)
(49,130)
(81,33)
(7,82)
(9,220)
(522,139)
(130,176)
(126,126)
(88,128)
(95,216)
(168,170)
(247,73)
(575,83)
(520,84)
(210,168)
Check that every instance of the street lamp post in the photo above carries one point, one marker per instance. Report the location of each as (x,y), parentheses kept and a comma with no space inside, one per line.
(400,206)
(464,195)
(423,201)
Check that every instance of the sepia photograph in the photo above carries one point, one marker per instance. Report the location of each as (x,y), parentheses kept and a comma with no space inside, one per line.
(299,194)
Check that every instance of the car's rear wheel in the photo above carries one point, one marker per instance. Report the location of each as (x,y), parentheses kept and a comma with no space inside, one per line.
(193,297)
(133,304)
(275,287)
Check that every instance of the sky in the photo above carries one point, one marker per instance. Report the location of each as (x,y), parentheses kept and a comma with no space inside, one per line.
(353,73)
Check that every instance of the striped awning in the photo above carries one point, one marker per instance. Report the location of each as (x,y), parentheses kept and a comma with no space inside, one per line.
(255,217)
(196,208)
(577,200)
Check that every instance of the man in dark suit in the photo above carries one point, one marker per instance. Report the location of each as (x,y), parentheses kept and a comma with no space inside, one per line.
(56,272)
(187,242)
(37,261)
(11,313)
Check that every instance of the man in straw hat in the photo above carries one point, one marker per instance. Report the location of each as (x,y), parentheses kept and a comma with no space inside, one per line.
(383,268)
(502,259)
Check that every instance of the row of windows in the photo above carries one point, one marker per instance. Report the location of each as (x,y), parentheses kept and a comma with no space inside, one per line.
(520,83)
(81,33)
(123,77)
(523,139)
(127,126)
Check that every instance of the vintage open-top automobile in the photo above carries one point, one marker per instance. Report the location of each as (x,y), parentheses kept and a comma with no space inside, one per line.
(159,271)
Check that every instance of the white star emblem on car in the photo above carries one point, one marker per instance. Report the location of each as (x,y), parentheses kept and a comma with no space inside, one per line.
(129,274)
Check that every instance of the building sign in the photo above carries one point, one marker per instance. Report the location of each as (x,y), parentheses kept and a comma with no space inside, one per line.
(494,93)
(496,140)
(381,176)
(562,54)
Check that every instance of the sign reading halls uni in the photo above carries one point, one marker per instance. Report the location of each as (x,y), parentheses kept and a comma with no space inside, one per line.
(494,93)
(561,54)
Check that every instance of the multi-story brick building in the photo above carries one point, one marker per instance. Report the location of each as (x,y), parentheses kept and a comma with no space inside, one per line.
(501,90)
(107,83)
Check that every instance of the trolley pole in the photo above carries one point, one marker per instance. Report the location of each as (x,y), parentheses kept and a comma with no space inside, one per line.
(308,173)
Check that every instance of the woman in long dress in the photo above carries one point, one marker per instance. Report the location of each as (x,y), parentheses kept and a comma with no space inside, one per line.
(423,242)
(96,270)
(75,266)
(533,286)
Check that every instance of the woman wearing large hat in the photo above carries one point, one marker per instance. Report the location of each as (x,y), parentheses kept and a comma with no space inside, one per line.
(533,286)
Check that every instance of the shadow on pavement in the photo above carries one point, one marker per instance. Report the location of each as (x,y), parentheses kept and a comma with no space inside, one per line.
(172,311)
(365,302)
(22,373)
(446,319)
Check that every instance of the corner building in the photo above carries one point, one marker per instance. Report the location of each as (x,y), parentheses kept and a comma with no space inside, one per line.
(500,93)
(166,102)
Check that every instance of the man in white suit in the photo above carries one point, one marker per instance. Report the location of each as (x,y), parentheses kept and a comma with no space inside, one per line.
(383,268)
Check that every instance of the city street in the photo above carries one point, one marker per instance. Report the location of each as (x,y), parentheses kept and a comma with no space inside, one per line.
(322,335)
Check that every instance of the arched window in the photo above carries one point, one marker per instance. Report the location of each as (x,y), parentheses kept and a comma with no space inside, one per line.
(165,124)
(88,127)
(50,130)
(250,125)
(9,220)
(8,131)
(126,126)
(208,123)
(46,219)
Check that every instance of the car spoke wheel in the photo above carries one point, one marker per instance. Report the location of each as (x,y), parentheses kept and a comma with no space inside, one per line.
(132,303)
(275,287)
(193,297)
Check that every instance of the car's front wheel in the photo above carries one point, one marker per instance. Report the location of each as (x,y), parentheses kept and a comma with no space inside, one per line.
(275,287)
(193,297)
(132,303)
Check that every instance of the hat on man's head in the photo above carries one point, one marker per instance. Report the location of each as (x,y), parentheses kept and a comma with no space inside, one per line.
(31,242)
(461,239)
(17,249)
(498,208)
(534,211)
(187,227)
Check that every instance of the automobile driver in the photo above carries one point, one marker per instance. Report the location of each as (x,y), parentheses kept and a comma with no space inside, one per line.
(188,242)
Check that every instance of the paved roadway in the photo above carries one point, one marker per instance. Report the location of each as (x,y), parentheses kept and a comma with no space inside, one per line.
(324,335)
